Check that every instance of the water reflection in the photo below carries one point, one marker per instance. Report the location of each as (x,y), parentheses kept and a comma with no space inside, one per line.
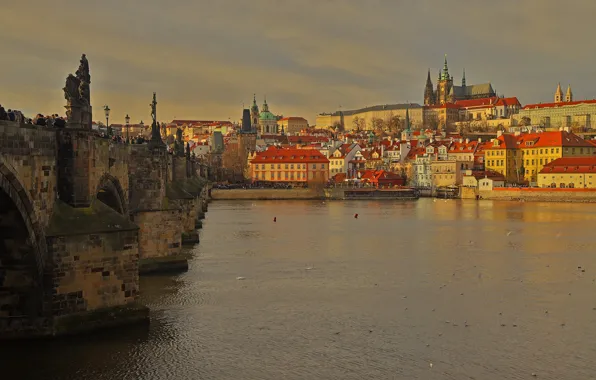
(482,290)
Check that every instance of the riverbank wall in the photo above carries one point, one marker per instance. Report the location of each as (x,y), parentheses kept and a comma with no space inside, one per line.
(529,194)
(265,194)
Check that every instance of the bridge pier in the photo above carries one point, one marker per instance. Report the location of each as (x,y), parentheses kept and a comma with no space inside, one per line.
(81,218)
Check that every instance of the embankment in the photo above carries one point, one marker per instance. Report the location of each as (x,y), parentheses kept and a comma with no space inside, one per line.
(540,195)
(265,194)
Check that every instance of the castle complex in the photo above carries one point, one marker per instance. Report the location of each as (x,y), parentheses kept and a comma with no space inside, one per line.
(446,92)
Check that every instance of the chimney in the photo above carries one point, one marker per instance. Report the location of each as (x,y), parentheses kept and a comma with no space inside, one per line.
(467,141)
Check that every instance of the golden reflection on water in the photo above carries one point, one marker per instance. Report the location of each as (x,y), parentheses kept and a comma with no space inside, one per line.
(483,290)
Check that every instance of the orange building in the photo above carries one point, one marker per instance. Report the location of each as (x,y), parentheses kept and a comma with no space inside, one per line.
(289,165)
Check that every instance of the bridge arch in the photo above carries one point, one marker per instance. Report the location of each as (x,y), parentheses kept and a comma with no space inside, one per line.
(110,192)
(23,251)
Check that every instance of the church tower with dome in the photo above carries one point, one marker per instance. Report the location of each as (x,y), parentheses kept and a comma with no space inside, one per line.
(267,120)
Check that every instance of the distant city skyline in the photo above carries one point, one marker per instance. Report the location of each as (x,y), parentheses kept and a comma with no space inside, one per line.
(206,58)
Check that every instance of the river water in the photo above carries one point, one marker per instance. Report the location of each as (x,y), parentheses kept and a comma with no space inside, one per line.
(482,290)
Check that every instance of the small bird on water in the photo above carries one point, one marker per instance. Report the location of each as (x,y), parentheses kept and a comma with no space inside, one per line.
(355,216)
(275,219)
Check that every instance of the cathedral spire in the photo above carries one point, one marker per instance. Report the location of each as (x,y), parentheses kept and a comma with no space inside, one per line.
(445,74)
(407,118)
(428,91)
(463,79)
(569,94)
(558,94)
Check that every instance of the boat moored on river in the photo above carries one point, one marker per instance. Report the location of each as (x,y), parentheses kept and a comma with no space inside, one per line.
(404,193)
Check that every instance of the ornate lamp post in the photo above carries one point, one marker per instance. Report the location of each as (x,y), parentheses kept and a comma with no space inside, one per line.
(127,119)
(107,110)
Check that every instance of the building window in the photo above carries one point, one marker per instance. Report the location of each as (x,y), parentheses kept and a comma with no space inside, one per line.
(322,166)
(314,166)
(286,166)
(278,166)
(278,175)
(291,166)
(286,175)
(263,166)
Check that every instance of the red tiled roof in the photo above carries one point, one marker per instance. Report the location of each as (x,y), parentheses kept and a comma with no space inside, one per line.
(290,155)
(201,122)
(571,165)
(508,102)
(495,176)
(293,118)
(561,104)
(540,140)
(477,102)
(551,139)
(306,139)
(446,105)
(339,177)
(463,147)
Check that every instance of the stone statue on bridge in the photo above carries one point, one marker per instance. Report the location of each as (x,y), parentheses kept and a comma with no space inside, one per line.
(156,141)
(78,97)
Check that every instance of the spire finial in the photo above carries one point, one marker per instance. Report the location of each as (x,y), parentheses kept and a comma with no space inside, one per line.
(463,79)
(445,74)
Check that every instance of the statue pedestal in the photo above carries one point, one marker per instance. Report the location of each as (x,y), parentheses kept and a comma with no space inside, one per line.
(79,117)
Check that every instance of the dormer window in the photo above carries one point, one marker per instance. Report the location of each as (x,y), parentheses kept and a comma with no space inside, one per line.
(529,143)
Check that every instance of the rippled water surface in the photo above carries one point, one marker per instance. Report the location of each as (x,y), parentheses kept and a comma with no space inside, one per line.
(481,290)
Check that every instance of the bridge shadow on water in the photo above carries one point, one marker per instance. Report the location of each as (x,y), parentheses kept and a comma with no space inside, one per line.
(74,355)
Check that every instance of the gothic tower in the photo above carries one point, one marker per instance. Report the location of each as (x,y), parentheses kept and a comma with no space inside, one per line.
(254,113)
(429,96)
(444,85)
(463,79)
(558,94)
(569,94)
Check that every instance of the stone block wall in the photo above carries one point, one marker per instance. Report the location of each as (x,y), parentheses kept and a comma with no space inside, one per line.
(264,194)
(160,233)
(109,159)
(188,212)
(540,194)
(29,152)
(179,171)
(147,178)
(93,271)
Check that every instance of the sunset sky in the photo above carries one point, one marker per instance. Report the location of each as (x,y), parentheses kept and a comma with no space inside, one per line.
(204,58)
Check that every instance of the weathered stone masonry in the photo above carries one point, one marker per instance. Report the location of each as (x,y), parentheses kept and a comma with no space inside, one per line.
(74,236)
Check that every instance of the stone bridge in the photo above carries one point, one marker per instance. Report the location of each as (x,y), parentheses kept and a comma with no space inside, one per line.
(81,217)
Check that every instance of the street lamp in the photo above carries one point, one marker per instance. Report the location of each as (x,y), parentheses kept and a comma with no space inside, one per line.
(106,110)
(127,119)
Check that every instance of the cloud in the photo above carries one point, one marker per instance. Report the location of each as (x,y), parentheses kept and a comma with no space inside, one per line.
(205,58)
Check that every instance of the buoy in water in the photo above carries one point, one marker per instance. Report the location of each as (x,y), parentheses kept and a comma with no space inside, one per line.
(355,216)
(275,218)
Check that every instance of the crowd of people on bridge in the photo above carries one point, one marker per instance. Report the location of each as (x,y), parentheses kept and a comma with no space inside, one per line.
(17,116)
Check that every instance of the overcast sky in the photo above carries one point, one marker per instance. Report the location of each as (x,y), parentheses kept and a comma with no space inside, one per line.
(205,58)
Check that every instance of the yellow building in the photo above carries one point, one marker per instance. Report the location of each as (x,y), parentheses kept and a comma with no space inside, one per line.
(289,165)
(521,157)
(292,125)
(571,172)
